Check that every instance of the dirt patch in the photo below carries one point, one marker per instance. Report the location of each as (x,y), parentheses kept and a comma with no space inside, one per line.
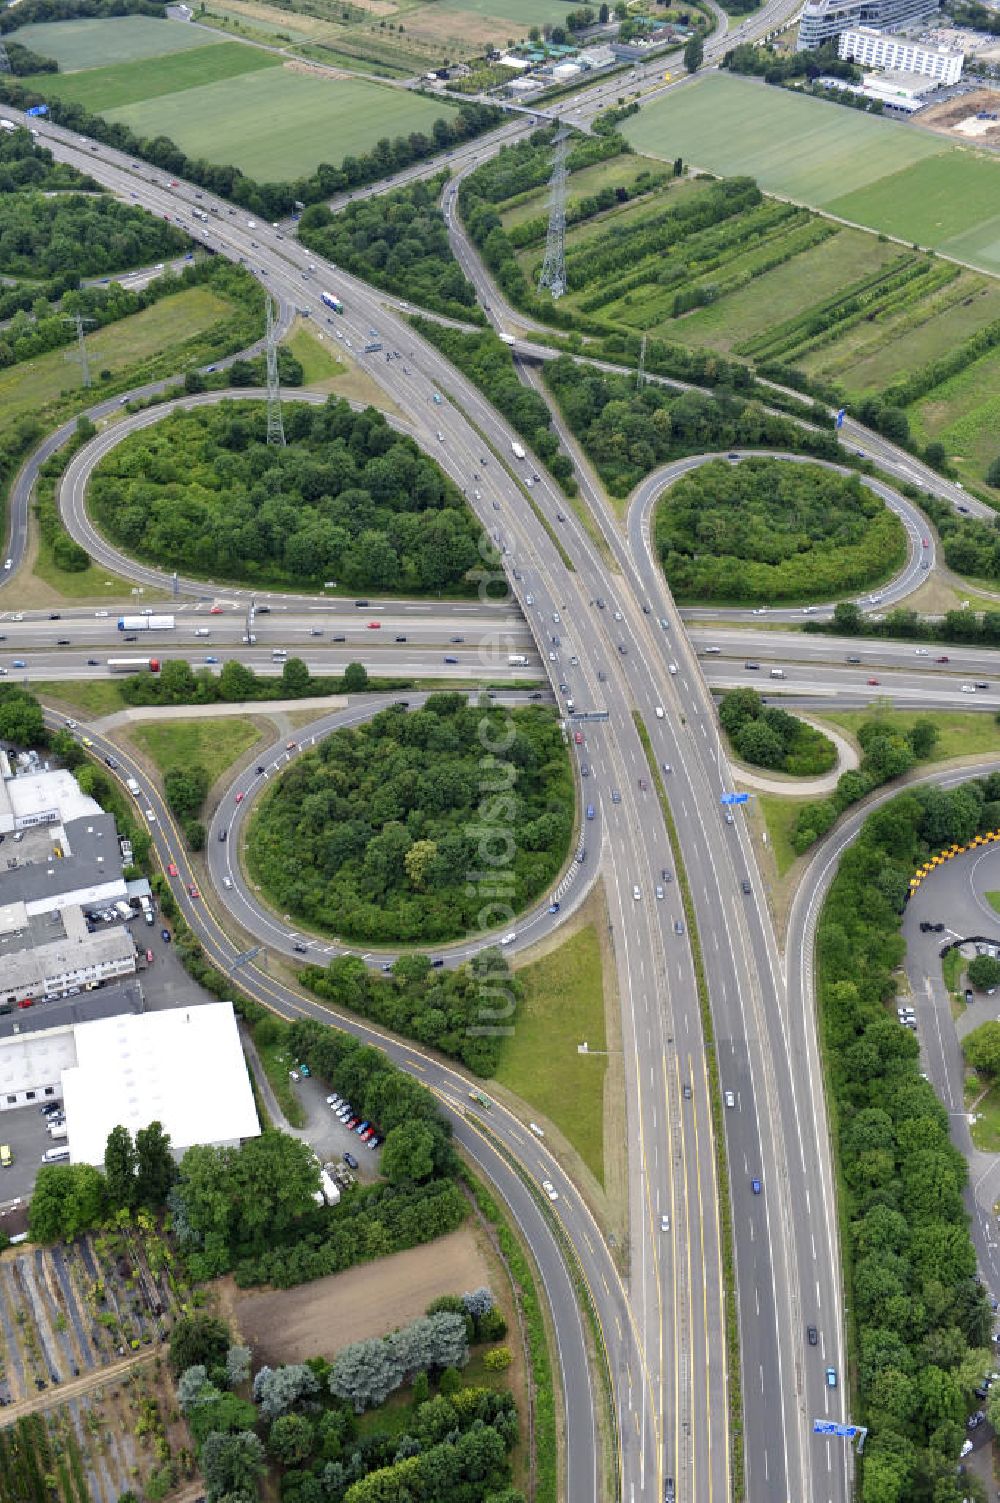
(958,117)
(316,70)
(290,1325)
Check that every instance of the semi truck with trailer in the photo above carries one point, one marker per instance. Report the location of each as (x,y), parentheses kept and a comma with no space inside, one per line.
(146,623)
(332,302)
(134,665)
(516,449)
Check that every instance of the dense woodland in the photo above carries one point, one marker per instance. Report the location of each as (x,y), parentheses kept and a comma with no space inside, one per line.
(90,235)
(767,736)
(440,1008)
(489,362)
(766,530)
(921,1320)
(398,241)
(348,499)
(628,433)
(373,834)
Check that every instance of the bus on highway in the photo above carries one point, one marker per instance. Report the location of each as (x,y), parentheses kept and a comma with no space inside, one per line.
(332,302)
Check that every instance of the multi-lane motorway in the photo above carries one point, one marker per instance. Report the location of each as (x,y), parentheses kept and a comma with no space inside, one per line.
(666,1340)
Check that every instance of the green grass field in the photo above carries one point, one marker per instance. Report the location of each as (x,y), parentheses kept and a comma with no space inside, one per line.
(793,145)
(801,282)
(959,734)
(950,202)
(317,358)
(964,413)
(523,13)
(213,743)
(95,697)
(106,89)
(96,44)
(278,124)
(870,357)
(563,1005)
(27,387)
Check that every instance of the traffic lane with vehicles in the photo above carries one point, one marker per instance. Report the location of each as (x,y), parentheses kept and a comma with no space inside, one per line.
(533,540)
(653,486)
(954,895)
(221,620)
(797,649)
(514,1137)
(461,665)
(844,686)
(244,905)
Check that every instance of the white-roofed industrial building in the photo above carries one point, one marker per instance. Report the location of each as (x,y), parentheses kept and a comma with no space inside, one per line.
(183,1068)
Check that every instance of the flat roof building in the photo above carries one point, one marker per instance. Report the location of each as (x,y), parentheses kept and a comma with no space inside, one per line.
(184,1068)
(901,55)
(822,20)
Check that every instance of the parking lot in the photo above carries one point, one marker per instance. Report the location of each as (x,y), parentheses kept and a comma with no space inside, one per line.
(328,1136)
(23,1130)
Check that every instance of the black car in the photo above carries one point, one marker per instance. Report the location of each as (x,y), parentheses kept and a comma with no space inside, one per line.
(263,610)
(400,639)
(93,663)
(980,684)
(223,836)
(854,658)
(112,762)
(350,1161)
(746,884)
(54,616)
(63,642)
(301,949)
(132,638)
(687,1092)
(812,1334)
(437,964)
(260,768)
(668,1490)
(340,639)
(968,996)
(751,667)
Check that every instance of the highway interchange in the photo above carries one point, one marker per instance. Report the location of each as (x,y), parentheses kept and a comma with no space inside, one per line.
(664,1324)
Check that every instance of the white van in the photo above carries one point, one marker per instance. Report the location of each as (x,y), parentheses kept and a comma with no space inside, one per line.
(202,631)
(279,652)
(777,672)
(56,1155)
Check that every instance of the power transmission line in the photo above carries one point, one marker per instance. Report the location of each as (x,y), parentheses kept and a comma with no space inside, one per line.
(553,274)
(81,355)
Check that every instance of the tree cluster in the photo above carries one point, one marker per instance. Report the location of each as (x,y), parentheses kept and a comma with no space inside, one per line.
(972,628)
(767,736)
(22,722)
(781,67)
(26,164)
(23,61)
(922,1320)
(398,241)
(90,235)
(448,1010)
(268,200)
(41,326)
(628,433)
(765,531)
(377,832)
(69,1199)
(365,1373)
(886,753)
(488,362)
(348,498)
(178,683)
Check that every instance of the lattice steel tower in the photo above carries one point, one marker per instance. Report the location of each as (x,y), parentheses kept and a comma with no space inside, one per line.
(275,427)
(553,274)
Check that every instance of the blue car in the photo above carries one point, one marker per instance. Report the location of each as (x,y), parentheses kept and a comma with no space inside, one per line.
(447,660)
(553,907)
(211,660)
(831,1377)
(755,1186)
(362,1127)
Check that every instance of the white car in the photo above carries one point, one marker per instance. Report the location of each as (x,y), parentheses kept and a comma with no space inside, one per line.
(671,667)
(921,652)
(635,893)
(730,1099)
(659,712)
(9,564)
(536,1129)
(509,939)
(227,882)
(618,616)
(968,688)
(100,614)
(550,1189)
(664,1222)
(150,817)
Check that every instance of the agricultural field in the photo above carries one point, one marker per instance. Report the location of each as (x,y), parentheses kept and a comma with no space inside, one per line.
(96,44)
(884,174)
(721,267)
(89,1316)
(104,89)
(282,122)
